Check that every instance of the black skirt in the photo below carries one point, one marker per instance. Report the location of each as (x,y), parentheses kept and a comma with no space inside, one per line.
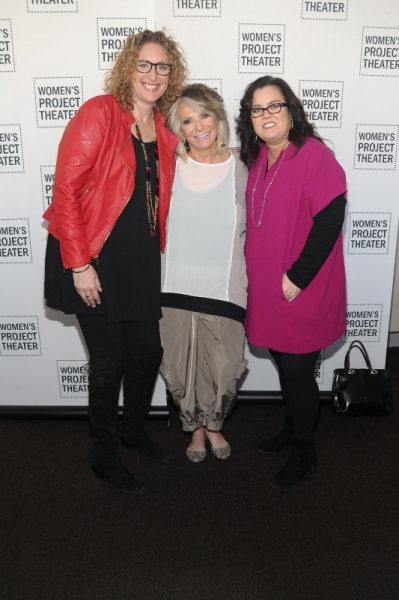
(128,265)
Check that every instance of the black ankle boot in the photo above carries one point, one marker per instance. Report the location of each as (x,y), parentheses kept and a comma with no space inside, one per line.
(116,475)
(138,386)
(104,384)
(144,444)
(282,440)
(303,458)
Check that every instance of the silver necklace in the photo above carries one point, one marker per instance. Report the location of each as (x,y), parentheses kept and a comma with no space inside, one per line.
(145,132)
(259,222)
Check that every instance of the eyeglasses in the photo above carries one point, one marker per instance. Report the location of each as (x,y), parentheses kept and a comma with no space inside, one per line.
(257,111)
(145,66)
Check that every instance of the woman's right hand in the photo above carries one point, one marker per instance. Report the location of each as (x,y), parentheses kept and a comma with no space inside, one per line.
(290,290)
(88,285)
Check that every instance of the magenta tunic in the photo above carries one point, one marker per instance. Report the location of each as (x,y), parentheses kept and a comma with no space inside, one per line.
(304,185)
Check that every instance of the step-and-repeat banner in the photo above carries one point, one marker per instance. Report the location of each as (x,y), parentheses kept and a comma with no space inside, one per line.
(341,58)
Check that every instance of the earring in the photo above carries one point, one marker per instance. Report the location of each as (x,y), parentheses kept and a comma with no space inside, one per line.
(292,124)
(184,142)
(256,139)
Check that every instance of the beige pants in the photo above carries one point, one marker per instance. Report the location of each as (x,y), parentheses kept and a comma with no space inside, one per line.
(203,359)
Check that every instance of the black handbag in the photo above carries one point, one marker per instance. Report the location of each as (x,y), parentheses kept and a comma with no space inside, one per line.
(361,391)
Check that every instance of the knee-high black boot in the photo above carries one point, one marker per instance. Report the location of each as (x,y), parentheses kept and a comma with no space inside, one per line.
(303,458)
(138,386)
(104,383)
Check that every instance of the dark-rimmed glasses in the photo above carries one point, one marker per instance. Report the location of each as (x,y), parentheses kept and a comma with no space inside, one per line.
(145,66)
(272,109)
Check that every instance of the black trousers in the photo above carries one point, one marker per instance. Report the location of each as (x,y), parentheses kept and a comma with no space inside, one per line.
(128,350)
(108,340)
(300,390)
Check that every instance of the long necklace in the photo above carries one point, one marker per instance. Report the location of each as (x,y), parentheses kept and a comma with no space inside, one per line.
(152,203)
(259,221)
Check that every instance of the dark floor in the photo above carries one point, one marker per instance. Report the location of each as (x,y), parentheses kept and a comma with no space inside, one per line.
(209,531)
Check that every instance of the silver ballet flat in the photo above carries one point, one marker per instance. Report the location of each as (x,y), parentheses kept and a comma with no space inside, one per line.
(196,456)
(222,453)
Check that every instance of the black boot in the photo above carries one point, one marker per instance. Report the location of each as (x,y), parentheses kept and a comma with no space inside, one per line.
(104,384)
(282,440)
(303,458)
(119,478)
(138,386)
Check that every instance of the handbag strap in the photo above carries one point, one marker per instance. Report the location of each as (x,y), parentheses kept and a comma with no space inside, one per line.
(357,344)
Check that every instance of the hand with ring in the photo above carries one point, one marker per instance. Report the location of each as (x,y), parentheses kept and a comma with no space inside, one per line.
(88,285)
(290,290)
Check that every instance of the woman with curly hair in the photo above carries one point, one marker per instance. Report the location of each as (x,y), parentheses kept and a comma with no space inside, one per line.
(112,185)
(296,278)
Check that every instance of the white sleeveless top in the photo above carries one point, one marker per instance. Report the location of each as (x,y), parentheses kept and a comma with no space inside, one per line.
(201,229)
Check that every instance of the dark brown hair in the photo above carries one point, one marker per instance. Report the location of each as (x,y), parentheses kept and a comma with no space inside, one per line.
(249,142)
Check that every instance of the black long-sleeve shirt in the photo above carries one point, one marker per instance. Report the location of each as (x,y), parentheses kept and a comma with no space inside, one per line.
(321,239)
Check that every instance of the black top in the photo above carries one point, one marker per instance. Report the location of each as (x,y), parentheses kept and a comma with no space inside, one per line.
(128,266)
(321,239)
(209,306)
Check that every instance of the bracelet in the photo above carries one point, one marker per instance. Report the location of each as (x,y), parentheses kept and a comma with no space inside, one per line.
(82,271)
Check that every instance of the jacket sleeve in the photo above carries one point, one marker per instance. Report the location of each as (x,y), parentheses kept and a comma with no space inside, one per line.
(80,147)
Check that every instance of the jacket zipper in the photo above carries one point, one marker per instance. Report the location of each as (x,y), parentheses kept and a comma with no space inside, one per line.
(83,194)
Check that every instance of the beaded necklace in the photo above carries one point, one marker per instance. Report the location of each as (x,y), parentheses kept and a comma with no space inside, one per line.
(152,203)
(259,221)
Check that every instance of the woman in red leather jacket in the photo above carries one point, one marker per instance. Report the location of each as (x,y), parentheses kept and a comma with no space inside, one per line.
(112,185)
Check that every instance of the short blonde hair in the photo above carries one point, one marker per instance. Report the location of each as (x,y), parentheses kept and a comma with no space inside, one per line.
(200,98)
(118,81)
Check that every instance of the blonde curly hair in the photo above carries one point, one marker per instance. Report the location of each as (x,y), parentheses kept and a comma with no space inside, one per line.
(118,81)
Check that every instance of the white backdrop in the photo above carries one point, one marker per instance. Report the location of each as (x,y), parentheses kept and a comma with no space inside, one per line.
(341,58)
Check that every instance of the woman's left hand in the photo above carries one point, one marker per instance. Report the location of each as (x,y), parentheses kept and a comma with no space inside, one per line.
(290,290)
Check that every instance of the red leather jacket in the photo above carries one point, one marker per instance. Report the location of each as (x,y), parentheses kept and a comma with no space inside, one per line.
(94,178)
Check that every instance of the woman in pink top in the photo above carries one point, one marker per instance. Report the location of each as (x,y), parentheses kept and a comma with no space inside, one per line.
(296,292)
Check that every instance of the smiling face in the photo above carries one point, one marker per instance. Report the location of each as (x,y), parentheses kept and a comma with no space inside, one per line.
(272,129)
(149,87)
(199,129)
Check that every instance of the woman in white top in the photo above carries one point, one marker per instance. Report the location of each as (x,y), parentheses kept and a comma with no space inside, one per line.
(204,289)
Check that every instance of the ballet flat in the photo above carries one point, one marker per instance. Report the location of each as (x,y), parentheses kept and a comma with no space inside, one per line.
(222,453)
(196,456)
